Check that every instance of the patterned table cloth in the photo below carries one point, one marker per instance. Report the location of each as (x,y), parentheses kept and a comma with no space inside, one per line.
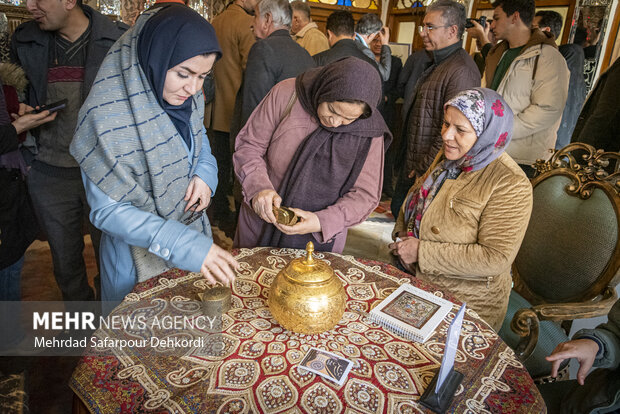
(258,372)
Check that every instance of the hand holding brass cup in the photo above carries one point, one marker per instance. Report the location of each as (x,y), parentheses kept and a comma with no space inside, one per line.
(285,215)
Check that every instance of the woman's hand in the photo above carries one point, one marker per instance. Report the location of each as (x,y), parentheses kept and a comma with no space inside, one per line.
(308,223)
(584,350)
(197,192)
(23,121)
(263,204)
(402,235)
(406,250)
(219,265)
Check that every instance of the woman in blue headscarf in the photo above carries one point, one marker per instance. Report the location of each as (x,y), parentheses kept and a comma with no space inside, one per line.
(462,222)
(146,163)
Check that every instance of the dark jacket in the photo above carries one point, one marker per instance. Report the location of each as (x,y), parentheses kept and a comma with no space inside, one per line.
(600,392)
(30,48)
(342,48)
(18,227)
(271,60)
(391,93)
(415,65)
(599,120)
(451,71)
(576,92)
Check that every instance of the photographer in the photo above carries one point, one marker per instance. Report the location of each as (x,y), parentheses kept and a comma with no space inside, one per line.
(480,30)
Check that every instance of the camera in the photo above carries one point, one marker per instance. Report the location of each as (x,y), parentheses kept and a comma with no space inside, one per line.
(482,20)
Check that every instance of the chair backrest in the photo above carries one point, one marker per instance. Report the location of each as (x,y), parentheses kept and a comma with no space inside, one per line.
(571,250)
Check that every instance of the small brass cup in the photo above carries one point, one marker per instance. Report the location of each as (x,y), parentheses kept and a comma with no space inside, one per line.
(216,301)
(285,215)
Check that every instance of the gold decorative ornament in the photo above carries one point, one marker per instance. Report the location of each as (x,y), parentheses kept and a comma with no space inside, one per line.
(306,296)
(285,215)
(595,169)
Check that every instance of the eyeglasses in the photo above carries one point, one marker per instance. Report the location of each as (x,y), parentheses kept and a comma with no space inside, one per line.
(428,28)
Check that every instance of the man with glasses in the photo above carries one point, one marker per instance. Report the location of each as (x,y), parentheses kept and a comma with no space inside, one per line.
(431,77)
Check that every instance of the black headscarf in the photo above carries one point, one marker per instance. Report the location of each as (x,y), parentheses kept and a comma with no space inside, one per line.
(328,162)
(176,33)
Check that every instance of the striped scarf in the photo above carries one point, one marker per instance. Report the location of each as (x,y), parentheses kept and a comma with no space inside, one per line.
(128,146)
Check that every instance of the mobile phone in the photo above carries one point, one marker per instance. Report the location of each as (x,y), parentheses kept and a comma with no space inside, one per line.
(52,107)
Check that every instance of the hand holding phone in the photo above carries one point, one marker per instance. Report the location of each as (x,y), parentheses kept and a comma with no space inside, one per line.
(23,121)
(52,107)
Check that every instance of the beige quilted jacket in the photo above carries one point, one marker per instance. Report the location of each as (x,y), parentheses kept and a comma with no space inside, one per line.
(471,232)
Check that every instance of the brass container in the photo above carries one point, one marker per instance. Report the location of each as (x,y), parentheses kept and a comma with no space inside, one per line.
(285,215)
(216,301)
(306,296)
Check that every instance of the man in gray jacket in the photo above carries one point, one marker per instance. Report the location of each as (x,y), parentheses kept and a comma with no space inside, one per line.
(367,28)
(61,51)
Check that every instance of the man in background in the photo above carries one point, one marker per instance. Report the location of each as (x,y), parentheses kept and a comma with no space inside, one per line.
(305,32)
(61,50)
(550,21)
(273,58)
(341,36)
(526,68)
(431,77)
(234,33)
(599,120)
(388,110)
(368,28)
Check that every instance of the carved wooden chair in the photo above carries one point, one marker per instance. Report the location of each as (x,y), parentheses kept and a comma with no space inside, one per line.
(567,266)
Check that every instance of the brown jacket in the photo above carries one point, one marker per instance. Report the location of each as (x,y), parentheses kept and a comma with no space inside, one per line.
(233,30)
(471,232)
(311,39)
(447,76)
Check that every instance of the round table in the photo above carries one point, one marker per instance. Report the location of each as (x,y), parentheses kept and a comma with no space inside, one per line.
(256,367)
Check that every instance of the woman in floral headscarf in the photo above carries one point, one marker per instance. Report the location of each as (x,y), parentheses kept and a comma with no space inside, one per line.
(462,222)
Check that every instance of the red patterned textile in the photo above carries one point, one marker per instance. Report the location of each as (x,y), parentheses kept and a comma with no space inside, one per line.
(65,74)
(256,370)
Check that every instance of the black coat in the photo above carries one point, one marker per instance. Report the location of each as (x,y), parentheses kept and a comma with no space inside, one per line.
(599,120)
(18,227)
(391,93)
(270,61)
(341,49)
(573,54)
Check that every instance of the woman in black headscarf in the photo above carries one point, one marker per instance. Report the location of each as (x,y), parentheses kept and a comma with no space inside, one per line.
(146,163)
(315,144)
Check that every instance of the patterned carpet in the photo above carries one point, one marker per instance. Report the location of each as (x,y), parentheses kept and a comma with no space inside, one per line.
(46,378)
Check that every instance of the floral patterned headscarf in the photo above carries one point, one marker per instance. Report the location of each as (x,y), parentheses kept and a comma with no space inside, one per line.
(491,118)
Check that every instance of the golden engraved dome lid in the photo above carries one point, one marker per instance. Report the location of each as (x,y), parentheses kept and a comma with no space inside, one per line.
(307,296)
(307,270)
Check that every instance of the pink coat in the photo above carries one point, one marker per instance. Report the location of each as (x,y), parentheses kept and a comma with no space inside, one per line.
(263,151)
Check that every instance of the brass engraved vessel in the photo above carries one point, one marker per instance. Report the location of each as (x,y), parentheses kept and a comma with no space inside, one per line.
(306,296)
